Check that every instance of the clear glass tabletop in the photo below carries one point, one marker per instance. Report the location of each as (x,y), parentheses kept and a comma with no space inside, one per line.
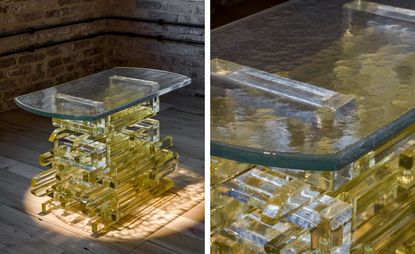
(313,84)
(101,94)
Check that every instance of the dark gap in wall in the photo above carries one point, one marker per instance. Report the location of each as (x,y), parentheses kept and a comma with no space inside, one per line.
(32,30)
(32,48)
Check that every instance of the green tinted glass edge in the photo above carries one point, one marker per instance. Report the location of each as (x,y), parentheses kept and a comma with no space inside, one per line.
(321,162)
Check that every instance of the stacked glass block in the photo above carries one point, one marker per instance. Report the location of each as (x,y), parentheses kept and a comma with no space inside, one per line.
(107,160)
(106,168)
(369,209)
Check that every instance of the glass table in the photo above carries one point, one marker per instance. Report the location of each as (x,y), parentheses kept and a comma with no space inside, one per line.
(107,158)
(311,101)
(102,94)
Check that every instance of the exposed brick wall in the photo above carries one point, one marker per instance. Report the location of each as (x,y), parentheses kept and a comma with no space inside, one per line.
(28,71)
(166,55)
(25,72)
(184,11)
(184,58)
(19,14)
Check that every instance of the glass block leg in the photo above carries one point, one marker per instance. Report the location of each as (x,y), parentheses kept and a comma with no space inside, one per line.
(266,212)
(106,168)
(367,207)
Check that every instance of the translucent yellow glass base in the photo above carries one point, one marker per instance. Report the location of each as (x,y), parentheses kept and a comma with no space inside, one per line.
(106,168)
(368,207)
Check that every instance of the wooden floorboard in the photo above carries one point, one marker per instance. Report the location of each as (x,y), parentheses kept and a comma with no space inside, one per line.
(176,225)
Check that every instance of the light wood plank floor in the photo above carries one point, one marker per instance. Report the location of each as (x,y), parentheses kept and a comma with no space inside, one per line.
(175,225)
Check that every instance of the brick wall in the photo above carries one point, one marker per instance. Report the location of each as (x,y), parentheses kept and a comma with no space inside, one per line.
(18,14)
(184,58)
(27,72)
(184,11)
(166,55)
(181,51)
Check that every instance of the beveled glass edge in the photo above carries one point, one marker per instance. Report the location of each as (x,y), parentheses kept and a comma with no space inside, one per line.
(314,162)
(274,159)
(185,82)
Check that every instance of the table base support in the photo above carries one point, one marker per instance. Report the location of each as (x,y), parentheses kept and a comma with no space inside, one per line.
(106,168)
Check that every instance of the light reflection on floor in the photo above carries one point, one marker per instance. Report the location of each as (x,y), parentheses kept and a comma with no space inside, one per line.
(188,192)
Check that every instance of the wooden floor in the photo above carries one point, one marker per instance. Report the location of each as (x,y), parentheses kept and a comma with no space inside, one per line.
(176,225)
